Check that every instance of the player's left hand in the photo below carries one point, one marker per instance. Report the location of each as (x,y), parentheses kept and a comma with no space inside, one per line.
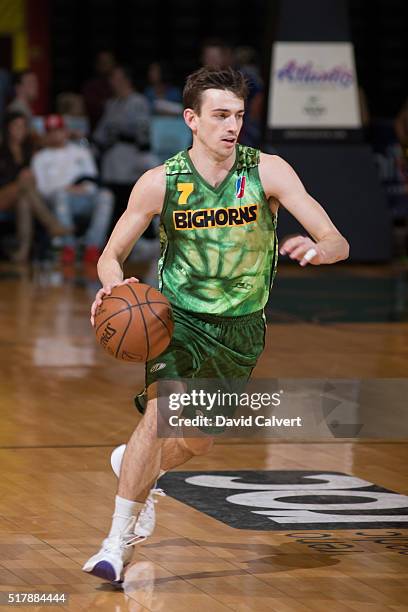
(303,249)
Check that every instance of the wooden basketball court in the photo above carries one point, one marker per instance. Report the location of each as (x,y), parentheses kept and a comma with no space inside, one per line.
(65,405)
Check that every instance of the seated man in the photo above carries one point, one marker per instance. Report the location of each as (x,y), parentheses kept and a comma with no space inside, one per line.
(67,177)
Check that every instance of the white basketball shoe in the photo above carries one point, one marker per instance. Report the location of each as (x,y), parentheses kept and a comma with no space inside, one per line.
(115,554)
(146,520)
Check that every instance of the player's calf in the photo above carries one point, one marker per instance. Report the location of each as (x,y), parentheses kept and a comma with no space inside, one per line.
(146,521)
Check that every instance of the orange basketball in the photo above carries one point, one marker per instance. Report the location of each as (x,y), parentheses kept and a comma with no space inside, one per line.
(134,323)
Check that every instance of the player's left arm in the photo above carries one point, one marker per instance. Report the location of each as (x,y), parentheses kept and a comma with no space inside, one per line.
(280,182)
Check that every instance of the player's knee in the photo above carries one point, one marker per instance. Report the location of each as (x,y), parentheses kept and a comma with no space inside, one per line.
(199,446)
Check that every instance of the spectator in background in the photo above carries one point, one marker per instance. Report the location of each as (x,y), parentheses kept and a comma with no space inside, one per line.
(245,61)
(401,126)
(216,54)
(164,98)
(123,138)
(18,191)
(71,107)
(26,93)
(5,86)
(67,177)
(98,90)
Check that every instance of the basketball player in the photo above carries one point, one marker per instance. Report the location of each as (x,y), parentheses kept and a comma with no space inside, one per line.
(218,205)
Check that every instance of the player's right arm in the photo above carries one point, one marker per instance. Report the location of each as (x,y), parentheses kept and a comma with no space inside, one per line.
(145,201)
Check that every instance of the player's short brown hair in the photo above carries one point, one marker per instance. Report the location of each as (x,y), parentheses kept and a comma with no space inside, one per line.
(210,78)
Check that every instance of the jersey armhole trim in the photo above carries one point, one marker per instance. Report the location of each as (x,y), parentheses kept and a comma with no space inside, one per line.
(266,201)
(166,197)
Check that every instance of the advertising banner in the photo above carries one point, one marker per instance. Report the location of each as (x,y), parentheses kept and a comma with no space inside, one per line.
(313,85)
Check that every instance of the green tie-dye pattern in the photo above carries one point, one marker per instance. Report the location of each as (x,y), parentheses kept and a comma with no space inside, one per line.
(221,270)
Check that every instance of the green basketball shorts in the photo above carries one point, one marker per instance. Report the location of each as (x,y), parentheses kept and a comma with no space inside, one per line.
(208,347)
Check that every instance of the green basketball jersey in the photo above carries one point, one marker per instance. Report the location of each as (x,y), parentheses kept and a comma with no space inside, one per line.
(218,244)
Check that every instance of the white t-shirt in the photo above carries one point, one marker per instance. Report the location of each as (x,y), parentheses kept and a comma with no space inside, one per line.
(58,167)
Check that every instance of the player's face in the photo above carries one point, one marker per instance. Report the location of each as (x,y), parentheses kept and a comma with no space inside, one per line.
(219,122)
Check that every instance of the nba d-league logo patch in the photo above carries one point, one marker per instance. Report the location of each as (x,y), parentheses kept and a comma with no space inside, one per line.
(289,500)
(240,186)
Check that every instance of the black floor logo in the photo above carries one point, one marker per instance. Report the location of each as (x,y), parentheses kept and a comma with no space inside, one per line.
(287,500)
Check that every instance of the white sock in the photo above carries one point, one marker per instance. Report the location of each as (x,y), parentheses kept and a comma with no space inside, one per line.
(124,510)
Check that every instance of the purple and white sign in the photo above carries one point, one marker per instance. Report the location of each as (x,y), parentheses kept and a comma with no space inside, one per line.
(313,85)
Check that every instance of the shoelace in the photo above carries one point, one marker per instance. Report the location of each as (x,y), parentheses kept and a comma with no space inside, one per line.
(112,543)
(150,501)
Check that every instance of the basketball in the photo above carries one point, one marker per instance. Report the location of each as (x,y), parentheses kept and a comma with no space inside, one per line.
(134,322)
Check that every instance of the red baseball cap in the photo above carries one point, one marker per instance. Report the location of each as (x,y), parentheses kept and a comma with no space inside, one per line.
(54,122)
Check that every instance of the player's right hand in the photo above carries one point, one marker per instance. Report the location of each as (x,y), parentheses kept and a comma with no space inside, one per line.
(107,290)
